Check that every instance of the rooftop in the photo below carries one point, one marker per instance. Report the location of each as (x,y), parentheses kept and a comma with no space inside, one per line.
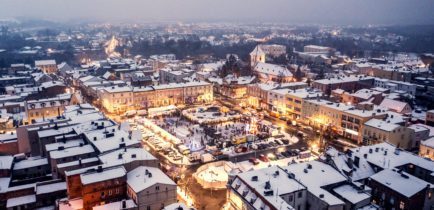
(30,162)
(123,156)
(309,177)
(403,183)
(143,177)
(104,175)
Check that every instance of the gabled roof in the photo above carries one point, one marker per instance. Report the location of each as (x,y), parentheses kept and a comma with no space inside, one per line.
(395,105)
(257,51)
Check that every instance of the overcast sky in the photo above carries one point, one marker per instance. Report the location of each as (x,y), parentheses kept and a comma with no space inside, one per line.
(290,11)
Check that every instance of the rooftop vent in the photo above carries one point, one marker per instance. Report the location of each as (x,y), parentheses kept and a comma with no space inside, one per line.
(133,155)
(120,156)
(267,185)
(254,178)
(146,172)
(99,170)
(150,175)
(321,195)
(268,192)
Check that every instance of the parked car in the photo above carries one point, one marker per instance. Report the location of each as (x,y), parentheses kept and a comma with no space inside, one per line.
(254,161)
(308,128)
(263,158)
(272,157)
(278,141)
(285,141)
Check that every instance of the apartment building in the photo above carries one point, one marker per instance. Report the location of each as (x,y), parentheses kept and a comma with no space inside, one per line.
(394,85)
(173,93)
(376,131)
(426,149)
(49,107)
(150,188)
(346,83)
(116,99)
(387,71)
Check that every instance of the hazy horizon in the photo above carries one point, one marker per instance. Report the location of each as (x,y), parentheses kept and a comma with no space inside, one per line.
(289,11)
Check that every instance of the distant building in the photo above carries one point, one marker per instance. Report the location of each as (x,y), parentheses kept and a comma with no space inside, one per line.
(272,72)
(47,66)
(429,120)
(426,149)
(318,49)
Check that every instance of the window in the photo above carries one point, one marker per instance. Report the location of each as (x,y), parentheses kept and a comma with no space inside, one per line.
(148,208)
(401,205)
(102,194)
(300,194)
(117,191)
(344,117)
(290,198)
(157,188)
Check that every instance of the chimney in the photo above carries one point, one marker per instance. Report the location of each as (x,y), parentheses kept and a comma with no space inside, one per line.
(124,204)
(99,170)
(79,162)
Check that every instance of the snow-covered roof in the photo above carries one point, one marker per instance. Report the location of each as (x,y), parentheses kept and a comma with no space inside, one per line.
(49,188)
(30,162)
(351,193)
(74,163)
(272,69)
(343,79)
(128,155)
(176,206)
(391,159)
(118,89)
(143,177)
(6,162)
(18,201)
(8,136)
(129,204)
(106,139)
(45,62)
(305,93)
(404,183)
(72,151)
(52,84)
(381,124)
(279,182)
(310,178)
(395,105)
(418,128)
(4,184)
(105,174)
(67,144)
(257,51)
(429,142)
